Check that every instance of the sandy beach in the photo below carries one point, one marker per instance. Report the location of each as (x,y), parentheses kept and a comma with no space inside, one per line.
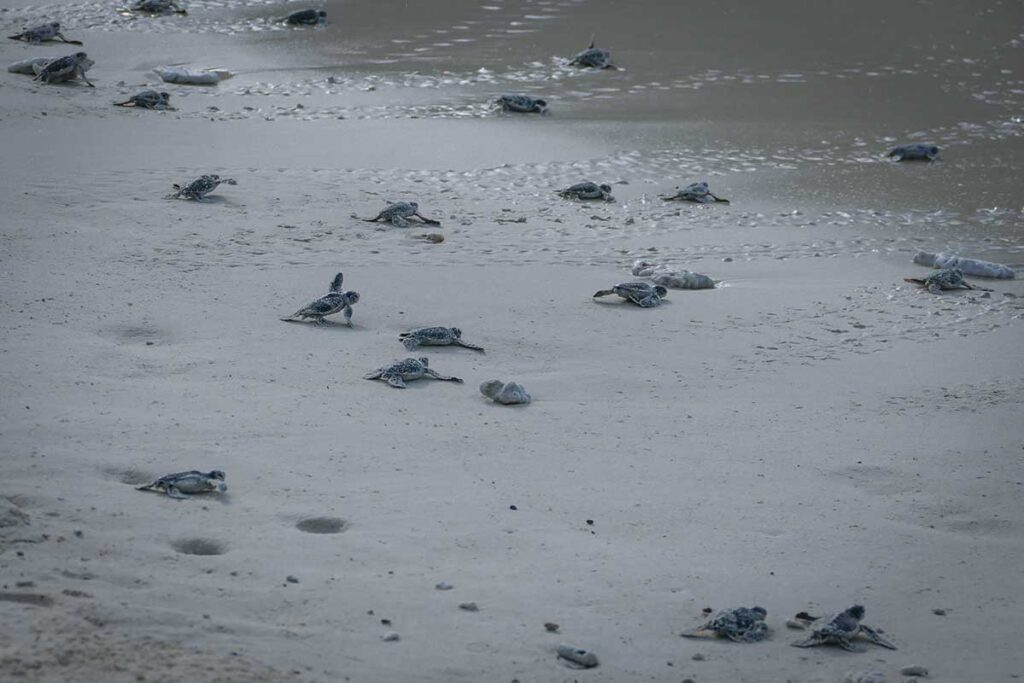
(812,433)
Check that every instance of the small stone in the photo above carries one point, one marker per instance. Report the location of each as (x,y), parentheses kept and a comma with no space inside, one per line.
(697,657)
(386,622)
(689,680)
(390,636)
(864,677)
(581,658)
(512,507)
(551,627)
(78,533)
(728,259)
(939,611)
(469,606)
(292,579)
(444,586)
(917,671)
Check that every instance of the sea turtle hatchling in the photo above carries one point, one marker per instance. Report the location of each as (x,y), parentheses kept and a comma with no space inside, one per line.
(399,213)
(200,187)
(741,624)
(399,372)
(148,99)
(947,278)
(40,34)
(65,68)
(840,629)
(642,294)
(914,152)
(334,301)
(183,484)
(306,17)
(157,7)
(695,192)
(594,58)
(522,104)
(435,336)
(588,190)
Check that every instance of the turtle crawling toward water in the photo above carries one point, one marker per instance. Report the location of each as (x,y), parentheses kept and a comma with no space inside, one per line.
(148,99)
(399,372)
(588,190)
(65,68)
(695,192)
(522,104)
(594,58)
(914,152)
(399,213)
(947,278)
(306,17)
(40,34)
(182,484)
(642,294)
(840,629)
(200,187)
(435,336)
(334,301)
(157,7)
(740,624)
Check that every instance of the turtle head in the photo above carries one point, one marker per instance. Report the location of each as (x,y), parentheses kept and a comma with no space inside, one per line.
(55,25)
(606,188)
(352,297)
(456,332)
(660,291)
(760,611)
(217,474)
(81,56)
(424,360)
(541,104)
(322,14)
(933,151)
(491,387)
(857,612)
(165,95)
(415,206)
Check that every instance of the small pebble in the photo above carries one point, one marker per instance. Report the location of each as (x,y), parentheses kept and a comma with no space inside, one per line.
(292,579)
(697,657)
(939,611)
(551,627)
(444,586)
(689,680)
(590,522)
(386,622)
(864,677)
(390,636)
(582,658)
(512,507)
(469,606)
(918,671)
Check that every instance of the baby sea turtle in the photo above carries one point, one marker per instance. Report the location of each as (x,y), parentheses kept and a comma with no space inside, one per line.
(399,213)
(695,192)
(588,190)
(307,17)
(148,99)
(401,371)
(741,624)
(511,393)
(640,293)
(65,69)
(202,186)
(594,58)
(522,104)
(157,7)
(43,33)
(914,152)
(435,336)
(947,278)
(840,629)
(182,484)
(334,301)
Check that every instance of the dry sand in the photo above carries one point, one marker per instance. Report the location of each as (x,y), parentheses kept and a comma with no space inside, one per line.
(811,434)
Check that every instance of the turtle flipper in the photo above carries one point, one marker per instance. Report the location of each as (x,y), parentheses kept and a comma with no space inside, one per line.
(699,632)
(875,637)
(394,380)
(602,292)
(173,492)
(428,221)
(347,312)
(720,200)
(810,641)
(847,645)
(467,345)
(444,378)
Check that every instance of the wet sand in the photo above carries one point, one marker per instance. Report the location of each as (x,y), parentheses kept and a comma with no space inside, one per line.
(812,433)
